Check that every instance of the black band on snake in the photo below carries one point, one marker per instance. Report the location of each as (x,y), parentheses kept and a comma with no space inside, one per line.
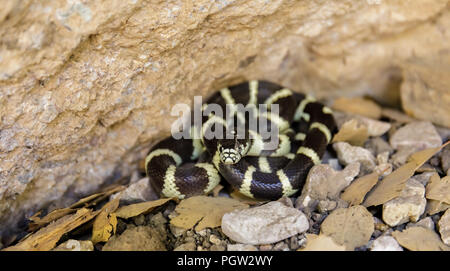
(186,167)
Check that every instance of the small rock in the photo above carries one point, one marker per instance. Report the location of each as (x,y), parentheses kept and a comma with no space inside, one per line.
(158,221)
(215,240)
(445,159)
(206,244)
(444,227)
(326,206)
(186,247)
(323,183)
(406,207)
(265,247)
(426,222)
(265,224)
(137,192)
(349,154)
(139,220)
(217,248)
(423,178)
(75,245)
(385,243)
(378,145)
(379,225)
(293,243)
(281,246)
(241,247)
(286,201)
(418,134)
(139,238)
(401,156)
(176,231)
(384,169)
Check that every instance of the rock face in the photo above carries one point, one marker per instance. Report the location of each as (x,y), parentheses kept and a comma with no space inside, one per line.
(266,224)
(87,86)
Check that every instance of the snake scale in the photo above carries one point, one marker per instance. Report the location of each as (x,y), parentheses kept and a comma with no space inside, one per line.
(193,166)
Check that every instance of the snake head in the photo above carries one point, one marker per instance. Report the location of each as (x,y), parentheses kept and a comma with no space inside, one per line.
(232,151)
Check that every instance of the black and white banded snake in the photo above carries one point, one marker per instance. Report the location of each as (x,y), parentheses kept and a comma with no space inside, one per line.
(186,167)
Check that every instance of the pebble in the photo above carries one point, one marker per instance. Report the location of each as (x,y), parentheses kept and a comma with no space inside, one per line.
(265,247)
(139,220)
(401,156)
(139,191)
(419,134)
(378,145)
(445,159)
(265,224)
(444,227)
(385,243)
(325,184)
(139,238)
(281,246)
(423,178)
(348,154)
(217,248)
(241,247)
(379,225)
(176,231)
(215,240)
(426,222)
(186,247)
(406,207)
(75,245)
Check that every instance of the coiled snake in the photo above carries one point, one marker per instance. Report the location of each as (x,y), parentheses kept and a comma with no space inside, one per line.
(186,167)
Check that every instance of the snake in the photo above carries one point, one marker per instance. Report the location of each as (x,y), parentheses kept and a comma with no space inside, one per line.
(185,167)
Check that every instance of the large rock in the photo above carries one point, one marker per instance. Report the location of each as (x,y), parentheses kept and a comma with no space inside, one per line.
(87,86)
(266,224)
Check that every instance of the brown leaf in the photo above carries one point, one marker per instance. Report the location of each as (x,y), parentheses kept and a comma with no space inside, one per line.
(420,239)
(216,190)
(105,223)
(393,184)
(136,209)
(47,237)
(360,106)
(355,193)
(435,206)
(244,199)
(350,227)
(321,243)
(204,212)
(37,222)
(352,132)
(96,198)
(439,189)
(396,115)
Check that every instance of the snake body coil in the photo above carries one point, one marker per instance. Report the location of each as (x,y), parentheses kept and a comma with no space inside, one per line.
(186,167)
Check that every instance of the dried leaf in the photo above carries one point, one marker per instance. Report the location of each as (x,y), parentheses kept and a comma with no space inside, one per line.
(244,199)
(355,193)
(396,115)
(37,222)
(435,206)
(393,184)
(96,198)
(47,237)
(439,189)
(321,243)
(105,223)
(420,239)
(350,227)
(216,190)
(360,106)
(204,212)
(352,132)
(133,210)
